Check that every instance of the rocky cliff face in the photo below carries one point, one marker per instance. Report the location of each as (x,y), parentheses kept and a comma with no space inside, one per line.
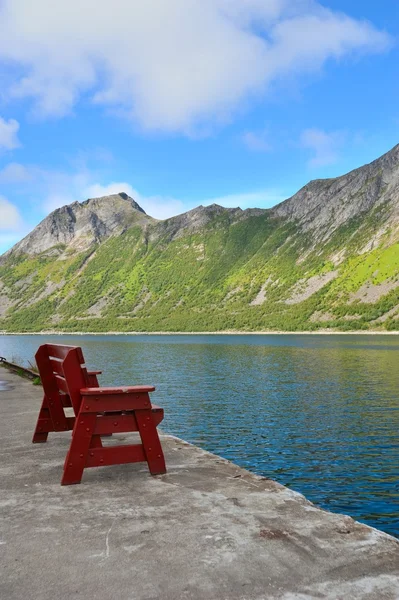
(323,205)
(328,257)
(82,224)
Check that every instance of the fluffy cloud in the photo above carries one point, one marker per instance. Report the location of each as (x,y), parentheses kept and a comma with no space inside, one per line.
(15,173)
(12,225)
(11,219)
(53,189)
(46,189)
(170,65)
(323,145)
(8,133)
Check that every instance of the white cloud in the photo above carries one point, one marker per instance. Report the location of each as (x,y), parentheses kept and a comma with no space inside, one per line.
(10,218)
(15,173)
(323,145)
(96,190)
(8,132)
(257,141)
(64,188)
(53,189)
(47,189)
(176,65)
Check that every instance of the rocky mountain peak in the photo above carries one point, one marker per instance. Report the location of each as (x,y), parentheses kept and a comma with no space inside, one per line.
(323,205)
(81,224)
(112,199)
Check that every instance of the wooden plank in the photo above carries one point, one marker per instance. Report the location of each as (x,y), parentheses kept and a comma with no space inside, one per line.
(56,366)
(115,455)
(119,423)
(116,423)
(58,351)
(115,402)
(76,376)
(61,384)
(45,424)
(125,389)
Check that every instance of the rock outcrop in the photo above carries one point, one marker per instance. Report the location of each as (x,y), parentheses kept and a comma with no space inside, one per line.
(323,205)
(81,224)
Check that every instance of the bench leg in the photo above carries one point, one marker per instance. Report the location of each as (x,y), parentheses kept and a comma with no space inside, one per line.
(43,425)
(150,440)
(51,418)
(40,437)
(78,451)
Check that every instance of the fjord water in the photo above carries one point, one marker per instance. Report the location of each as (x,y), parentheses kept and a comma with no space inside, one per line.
(319,414)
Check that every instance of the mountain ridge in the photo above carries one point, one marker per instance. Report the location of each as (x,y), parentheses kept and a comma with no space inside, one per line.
(324,191)
(327,257)
(295,207)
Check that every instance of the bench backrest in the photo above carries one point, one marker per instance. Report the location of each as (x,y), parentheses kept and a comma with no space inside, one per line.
(63,373)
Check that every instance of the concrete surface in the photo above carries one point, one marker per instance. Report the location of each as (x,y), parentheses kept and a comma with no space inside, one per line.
(207,530)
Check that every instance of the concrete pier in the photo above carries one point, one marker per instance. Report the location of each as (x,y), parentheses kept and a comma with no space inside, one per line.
(207,530)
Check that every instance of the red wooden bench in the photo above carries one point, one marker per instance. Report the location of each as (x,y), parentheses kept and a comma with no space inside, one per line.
(98,412)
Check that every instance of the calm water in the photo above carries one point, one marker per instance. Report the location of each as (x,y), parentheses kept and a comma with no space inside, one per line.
(319,414)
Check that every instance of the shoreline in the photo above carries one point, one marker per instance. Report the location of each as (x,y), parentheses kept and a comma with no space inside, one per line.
(138,333)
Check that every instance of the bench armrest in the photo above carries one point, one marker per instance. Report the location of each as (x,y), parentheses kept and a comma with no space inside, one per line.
(108,391)
(94,372)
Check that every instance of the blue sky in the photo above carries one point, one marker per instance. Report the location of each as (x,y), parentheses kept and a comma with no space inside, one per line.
(188,102)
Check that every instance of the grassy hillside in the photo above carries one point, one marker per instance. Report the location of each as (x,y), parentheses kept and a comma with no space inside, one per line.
(256,273)
(326,258)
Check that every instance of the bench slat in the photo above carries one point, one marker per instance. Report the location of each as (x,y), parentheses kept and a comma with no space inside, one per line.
(56,366)
(115,402)
(98,457)
(104,391)
(118,423)
(60,352)
(61,384)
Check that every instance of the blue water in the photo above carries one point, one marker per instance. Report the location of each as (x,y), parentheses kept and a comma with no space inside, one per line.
(319,414)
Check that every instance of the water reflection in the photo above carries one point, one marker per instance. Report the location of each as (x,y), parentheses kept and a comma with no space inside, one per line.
(319,414)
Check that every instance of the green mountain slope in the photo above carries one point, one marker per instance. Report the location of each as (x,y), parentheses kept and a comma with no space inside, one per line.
(327,258)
